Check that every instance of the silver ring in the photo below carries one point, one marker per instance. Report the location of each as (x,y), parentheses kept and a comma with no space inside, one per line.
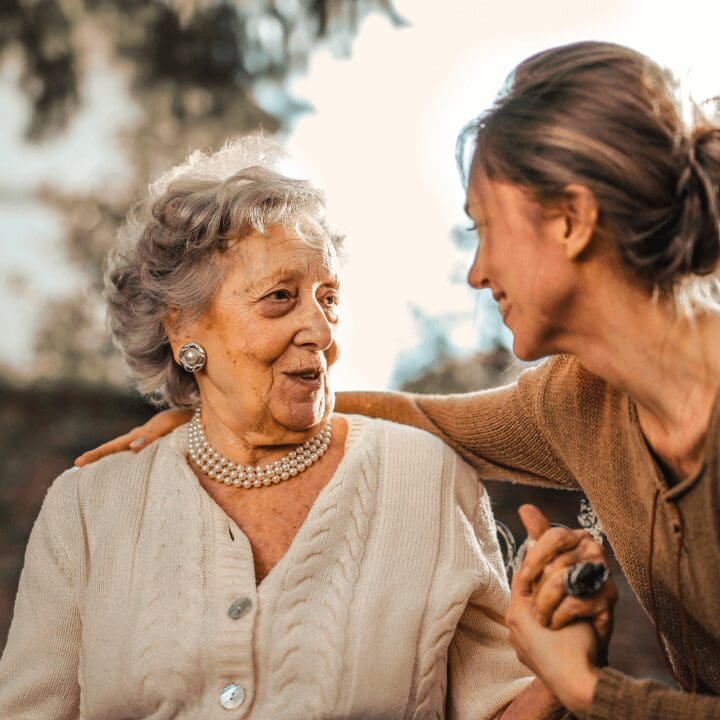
(585,579)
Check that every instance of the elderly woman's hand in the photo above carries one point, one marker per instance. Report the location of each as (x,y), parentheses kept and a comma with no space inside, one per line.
(542,574)
(139,437)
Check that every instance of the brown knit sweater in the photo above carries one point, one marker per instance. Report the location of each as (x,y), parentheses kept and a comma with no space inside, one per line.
(561,426)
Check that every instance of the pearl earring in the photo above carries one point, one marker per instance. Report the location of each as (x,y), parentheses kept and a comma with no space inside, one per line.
(192,357)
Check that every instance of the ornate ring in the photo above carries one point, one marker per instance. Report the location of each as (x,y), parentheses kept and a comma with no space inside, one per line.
(585,579)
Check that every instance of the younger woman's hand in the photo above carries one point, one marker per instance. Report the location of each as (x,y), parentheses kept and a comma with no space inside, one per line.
(139,437)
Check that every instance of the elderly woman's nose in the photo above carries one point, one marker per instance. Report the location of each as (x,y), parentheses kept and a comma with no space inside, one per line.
(316,329)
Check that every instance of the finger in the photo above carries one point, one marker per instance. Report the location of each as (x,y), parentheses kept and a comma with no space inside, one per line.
(157,426)
(603,625)
(549,589)
(587,550)
(124,442)
(547,597)
(602,622)
(572,608)
(521,587)
(534,520)
(553,542)
(163,422)
(583,552)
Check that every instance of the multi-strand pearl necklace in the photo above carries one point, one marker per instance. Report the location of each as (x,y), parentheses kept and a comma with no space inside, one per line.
(215,466)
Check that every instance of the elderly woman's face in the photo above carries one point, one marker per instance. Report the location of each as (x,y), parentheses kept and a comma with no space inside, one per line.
(270,333)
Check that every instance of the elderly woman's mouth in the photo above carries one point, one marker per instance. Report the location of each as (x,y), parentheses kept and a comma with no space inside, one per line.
(311,378)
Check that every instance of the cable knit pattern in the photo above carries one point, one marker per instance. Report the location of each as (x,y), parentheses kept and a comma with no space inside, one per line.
(561,426)
(175,560)
(382,607)
(432,670)
(343,525)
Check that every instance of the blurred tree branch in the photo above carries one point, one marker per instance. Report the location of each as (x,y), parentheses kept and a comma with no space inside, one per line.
(191,67)
(213,45)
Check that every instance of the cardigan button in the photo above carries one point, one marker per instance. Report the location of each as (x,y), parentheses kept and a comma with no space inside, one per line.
(241,606)
(232,697)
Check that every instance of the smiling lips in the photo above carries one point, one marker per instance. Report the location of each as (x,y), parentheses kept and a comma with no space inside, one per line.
(503,304)
(309,376)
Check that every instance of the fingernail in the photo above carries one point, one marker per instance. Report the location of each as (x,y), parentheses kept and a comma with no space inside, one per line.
(138,443)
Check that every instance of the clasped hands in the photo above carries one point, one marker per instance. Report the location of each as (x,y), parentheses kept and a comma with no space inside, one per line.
(562,639)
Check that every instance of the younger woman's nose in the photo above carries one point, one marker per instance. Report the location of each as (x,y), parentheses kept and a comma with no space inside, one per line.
(477,276)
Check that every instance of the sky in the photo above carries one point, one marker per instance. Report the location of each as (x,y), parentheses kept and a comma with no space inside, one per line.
(380,141)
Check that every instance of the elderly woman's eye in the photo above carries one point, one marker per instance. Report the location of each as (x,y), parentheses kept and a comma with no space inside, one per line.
(279,295)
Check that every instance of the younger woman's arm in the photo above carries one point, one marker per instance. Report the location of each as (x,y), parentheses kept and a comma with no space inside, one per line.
(500,432)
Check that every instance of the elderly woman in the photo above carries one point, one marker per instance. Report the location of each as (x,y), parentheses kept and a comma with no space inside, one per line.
(269,559)
(598,211)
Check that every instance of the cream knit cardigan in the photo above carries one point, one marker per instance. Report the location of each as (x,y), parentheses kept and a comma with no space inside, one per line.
(379,609)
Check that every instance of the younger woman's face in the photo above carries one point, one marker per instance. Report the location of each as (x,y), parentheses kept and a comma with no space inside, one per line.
(521,259)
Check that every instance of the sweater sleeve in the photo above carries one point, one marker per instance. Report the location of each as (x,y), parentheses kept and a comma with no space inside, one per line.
(620,696)
(484,674)
(39,667)
(499,431)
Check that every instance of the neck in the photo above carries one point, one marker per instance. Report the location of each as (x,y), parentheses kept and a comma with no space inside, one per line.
(249,443)
(669,364)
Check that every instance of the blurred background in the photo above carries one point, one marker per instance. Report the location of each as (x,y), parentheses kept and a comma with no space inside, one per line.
(98,96)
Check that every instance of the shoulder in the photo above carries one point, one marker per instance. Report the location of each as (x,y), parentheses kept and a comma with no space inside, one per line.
(408,456)
(560,378)
(399,441)
(110,475)
(113,486)
(574,407)
(563,379)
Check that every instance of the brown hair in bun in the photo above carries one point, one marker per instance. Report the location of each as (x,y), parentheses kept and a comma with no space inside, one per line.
(607,117)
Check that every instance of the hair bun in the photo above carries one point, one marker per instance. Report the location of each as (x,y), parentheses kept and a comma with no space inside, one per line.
(696,245)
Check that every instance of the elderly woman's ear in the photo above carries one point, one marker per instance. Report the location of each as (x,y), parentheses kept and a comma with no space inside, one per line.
(187,351)
(177,331)
(172,328)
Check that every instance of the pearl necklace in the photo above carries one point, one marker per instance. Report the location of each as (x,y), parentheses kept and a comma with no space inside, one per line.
(218,468)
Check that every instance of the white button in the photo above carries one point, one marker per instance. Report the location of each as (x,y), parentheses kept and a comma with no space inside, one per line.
(232,697)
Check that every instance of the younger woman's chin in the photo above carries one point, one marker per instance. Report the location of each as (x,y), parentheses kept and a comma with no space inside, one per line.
(527,351)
